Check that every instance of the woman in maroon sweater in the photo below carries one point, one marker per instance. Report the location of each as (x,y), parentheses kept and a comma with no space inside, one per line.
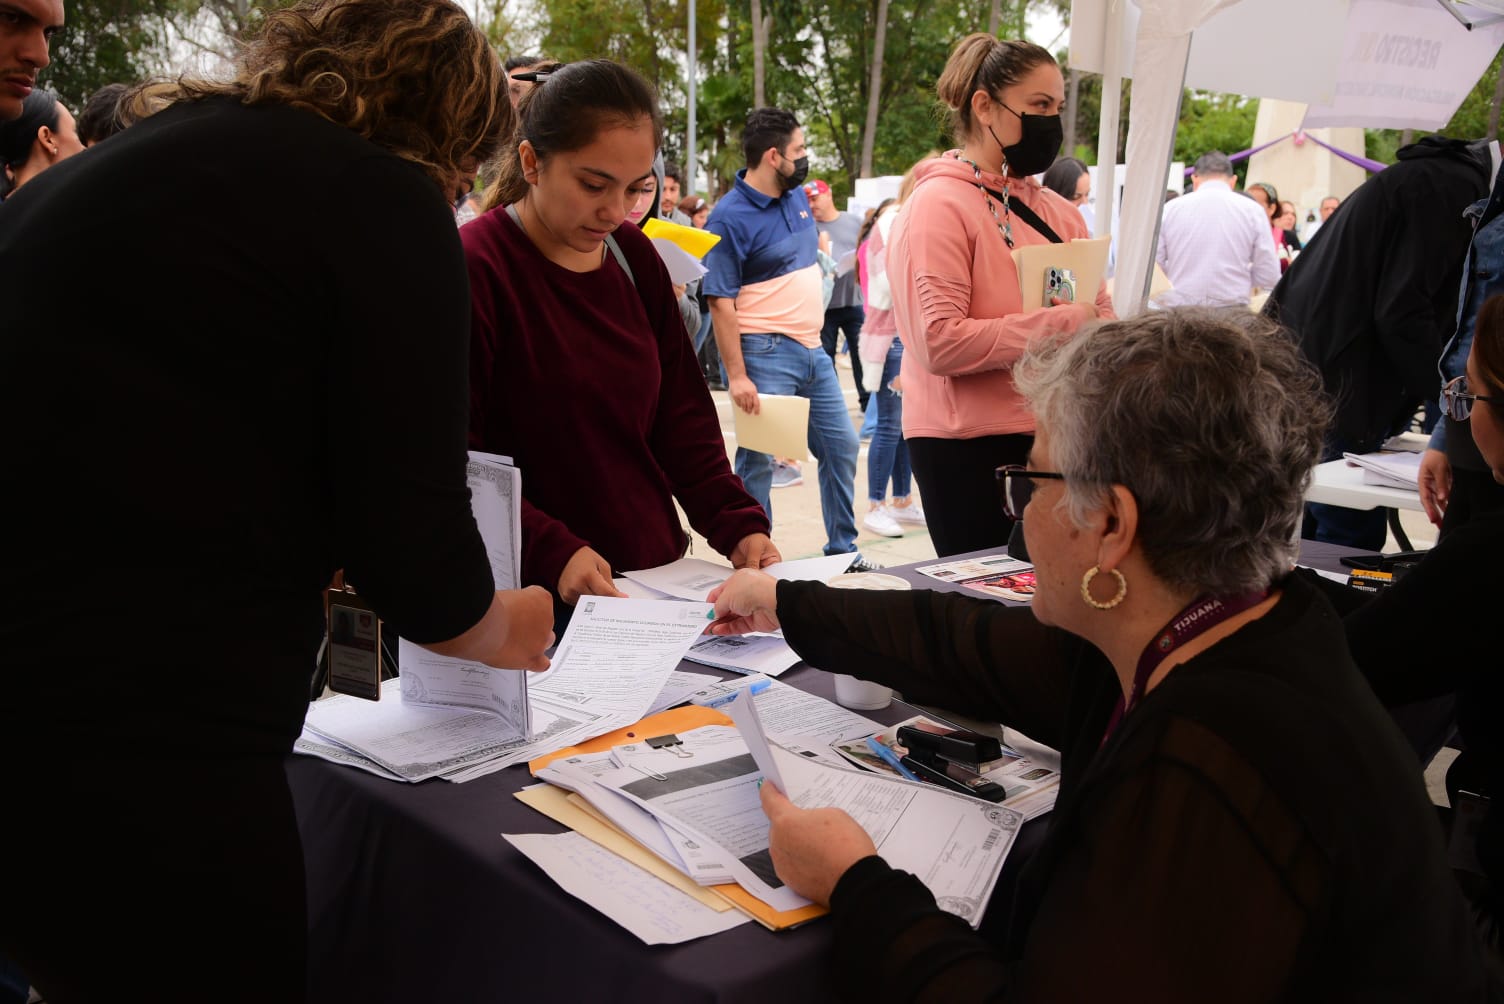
(579,366)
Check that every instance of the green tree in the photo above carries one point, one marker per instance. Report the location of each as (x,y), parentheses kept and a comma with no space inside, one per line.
(1210,121)
(105,42)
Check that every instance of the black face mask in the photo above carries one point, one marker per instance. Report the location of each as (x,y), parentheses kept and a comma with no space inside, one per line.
(1037,148)
(793,181)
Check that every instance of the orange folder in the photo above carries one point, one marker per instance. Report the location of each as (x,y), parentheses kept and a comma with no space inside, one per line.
(676,720)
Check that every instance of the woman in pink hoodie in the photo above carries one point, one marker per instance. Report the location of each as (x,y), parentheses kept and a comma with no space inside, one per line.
(956,292)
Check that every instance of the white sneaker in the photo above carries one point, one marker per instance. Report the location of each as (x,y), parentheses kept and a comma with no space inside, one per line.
(881,522)
(912,514)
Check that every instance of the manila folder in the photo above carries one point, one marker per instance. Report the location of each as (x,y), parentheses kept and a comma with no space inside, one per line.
(1086,258)
(780,428)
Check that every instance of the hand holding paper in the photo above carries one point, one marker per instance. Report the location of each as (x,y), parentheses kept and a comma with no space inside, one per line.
(812,848)
(780,427)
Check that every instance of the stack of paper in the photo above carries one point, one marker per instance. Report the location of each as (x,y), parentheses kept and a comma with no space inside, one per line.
(995,575)
(1390,470)
(614,662)
(681,788)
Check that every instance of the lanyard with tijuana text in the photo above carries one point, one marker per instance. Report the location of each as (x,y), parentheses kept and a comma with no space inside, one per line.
(1195,620)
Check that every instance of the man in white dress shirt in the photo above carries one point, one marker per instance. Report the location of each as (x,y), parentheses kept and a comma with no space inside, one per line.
(1215,245)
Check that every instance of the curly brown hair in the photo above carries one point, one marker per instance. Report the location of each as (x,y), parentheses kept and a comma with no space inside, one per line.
(413,76)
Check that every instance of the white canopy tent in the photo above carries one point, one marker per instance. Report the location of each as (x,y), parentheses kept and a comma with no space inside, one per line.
(1399,64)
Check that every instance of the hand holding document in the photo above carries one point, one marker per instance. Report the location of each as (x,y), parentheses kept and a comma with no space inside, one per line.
(1086,258)
(954,843)
(780,428)
(693,578)
(617,654)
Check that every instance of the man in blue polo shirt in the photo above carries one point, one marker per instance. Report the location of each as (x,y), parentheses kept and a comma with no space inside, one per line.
(767,306)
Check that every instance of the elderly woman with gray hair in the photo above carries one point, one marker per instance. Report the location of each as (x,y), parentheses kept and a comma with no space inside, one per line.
(1238,819)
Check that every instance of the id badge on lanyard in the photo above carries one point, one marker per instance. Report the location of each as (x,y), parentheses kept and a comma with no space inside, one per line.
(354,646)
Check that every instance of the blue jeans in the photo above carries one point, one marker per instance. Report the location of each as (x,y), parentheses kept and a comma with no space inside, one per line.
(847,321)
(778,364)
(701,335)
(888,454)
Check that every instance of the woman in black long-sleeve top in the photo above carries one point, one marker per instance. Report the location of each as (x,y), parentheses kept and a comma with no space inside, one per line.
(1238,820)
(206,410)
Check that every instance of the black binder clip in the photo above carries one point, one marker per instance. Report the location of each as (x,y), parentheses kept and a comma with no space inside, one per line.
(672,744)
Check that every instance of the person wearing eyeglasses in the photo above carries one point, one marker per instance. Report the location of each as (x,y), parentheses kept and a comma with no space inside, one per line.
(1455,479)
(1238,818)
(1424,640)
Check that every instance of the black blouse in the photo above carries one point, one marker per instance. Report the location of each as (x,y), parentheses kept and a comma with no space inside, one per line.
(1254,830)
(233,359)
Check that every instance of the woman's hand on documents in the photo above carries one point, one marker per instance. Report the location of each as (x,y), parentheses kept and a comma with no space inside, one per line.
(812,848)
(586,574)
(748,601)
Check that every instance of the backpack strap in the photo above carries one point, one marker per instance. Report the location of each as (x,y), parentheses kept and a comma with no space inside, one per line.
(1029,216)
(615,248)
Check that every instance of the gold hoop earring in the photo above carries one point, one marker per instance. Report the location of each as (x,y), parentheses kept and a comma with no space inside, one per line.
(1091,573)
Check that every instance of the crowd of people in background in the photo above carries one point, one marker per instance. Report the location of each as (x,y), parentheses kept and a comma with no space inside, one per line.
(1241,785)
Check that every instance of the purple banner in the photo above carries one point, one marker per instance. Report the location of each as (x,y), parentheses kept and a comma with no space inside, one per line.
(1372,166)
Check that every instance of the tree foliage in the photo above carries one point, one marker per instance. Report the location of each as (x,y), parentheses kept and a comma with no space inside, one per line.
(818,65)
(105,42)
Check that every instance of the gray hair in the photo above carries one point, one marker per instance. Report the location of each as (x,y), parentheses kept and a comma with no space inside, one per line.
(1212,419)
(1213,165)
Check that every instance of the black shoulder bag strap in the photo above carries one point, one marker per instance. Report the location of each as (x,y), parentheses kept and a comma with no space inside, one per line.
(1029,216)
(616,252)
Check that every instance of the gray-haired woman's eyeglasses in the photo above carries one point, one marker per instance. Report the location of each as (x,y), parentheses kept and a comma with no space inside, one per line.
(1016,484)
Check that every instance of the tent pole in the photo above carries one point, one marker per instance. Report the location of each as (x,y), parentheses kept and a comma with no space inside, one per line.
(1108,123)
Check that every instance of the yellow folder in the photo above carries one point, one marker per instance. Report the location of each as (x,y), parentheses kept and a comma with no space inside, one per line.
(692,239)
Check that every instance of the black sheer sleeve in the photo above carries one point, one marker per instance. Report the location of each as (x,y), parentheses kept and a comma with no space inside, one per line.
(1185,878)
(977,656)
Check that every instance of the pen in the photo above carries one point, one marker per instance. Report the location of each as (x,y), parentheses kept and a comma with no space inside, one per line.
(753,688)
(890,758)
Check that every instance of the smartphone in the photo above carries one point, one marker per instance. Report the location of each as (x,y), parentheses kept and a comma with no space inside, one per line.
(1059,284)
